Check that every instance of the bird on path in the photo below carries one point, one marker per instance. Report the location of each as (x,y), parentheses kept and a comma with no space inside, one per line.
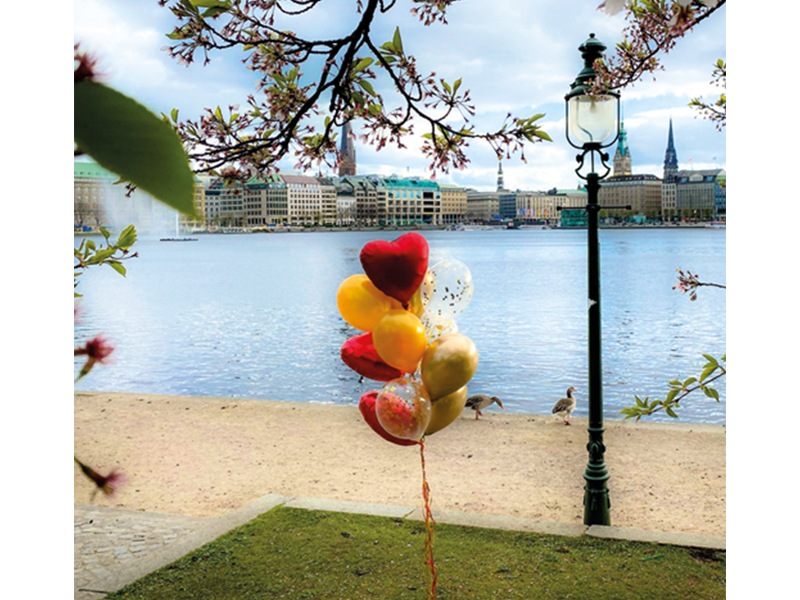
(565,406)
(481,401)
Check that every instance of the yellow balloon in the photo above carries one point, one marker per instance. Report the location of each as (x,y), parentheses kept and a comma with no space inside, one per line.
(445,410)
(448,364)
(399,339)
(361,304)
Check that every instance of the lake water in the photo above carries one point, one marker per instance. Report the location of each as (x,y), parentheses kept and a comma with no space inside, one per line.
(254,316)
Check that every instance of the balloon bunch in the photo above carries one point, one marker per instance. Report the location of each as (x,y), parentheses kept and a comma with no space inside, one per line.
(411,342)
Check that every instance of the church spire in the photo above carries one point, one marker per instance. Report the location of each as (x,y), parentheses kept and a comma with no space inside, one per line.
(347,152)
(670,157)
(622,157)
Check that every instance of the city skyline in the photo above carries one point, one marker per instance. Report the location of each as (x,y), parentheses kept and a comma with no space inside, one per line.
(520,58)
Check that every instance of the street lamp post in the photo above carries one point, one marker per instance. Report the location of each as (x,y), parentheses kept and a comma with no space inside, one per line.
(592,124)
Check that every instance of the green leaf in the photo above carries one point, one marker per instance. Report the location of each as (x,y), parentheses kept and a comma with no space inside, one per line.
(710,368)
(367,87)
(118,267)
(397,42)
(127,237)
(362,64)
(543,135)
(211,3)
(126,138)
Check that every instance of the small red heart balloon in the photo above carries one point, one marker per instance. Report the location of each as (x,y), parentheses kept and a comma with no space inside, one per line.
(397,268)
(367,407)
(359,354)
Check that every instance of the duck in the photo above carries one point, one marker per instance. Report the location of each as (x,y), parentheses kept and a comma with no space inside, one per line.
(565,406)
(481,401)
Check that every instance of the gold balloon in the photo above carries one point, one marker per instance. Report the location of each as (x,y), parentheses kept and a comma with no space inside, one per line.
(415,304)
(445,410)
(448,364)
(399,338)
(361,304)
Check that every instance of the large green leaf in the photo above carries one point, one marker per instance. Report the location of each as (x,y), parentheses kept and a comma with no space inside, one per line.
(126,138)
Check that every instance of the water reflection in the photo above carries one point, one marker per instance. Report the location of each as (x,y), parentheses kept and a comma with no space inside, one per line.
(254,316)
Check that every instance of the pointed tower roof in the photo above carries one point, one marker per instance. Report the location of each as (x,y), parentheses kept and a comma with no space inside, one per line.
(671,156)
(500,183)
(347,152)
(622,143)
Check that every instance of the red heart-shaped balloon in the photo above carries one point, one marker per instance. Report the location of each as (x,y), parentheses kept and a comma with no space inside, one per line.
(359,354)
(367,407)
(397,268)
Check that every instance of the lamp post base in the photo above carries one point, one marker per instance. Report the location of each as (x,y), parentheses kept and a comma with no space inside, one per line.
(596,503)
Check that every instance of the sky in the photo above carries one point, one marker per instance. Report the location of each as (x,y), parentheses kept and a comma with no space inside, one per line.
(517,56)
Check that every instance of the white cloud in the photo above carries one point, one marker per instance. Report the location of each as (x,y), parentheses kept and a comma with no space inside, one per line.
(515,56)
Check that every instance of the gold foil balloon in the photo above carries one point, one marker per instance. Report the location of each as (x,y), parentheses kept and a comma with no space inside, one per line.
(362,304)
(450,291)
(403,408)
(399,338)
(448,364)
(415,304)
(445,410)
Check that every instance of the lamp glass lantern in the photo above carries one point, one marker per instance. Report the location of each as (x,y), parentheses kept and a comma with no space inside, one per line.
(592,118)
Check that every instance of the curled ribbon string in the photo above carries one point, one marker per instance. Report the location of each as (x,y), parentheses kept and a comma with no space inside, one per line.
(429,522)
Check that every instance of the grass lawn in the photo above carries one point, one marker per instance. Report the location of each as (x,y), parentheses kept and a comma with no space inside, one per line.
(299,554)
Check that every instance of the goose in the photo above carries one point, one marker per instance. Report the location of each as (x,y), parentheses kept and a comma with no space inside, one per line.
(481,401)
(565,406)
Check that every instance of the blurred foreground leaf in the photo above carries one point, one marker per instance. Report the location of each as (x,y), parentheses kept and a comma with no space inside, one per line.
(126,138)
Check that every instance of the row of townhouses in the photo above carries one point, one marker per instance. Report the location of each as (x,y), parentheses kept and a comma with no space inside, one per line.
(277,199)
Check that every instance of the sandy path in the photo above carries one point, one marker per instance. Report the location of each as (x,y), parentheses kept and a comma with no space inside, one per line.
(205,456)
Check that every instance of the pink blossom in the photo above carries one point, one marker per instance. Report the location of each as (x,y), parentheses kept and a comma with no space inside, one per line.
(96,350)
(108,484)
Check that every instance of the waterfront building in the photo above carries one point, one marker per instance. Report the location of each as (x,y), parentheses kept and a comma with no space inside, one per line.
(99,200)
(691,195)
(266,200)
(507,204)
(641,193)
(700,195)
(362,193)
(225,203)
(309,201)
(482,207)
(570,207)
(408,201)
(454,204)
(626,196)
(94,190)
(545,207)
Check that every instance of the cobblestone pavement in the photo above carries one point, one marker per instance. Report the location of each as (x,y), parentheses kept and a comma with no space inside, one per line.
(109,541)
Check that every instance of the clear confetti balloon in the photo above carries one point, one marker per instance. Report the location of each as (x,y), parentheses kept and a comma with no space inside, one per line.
(403,408)
(450,290)
(438,325)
